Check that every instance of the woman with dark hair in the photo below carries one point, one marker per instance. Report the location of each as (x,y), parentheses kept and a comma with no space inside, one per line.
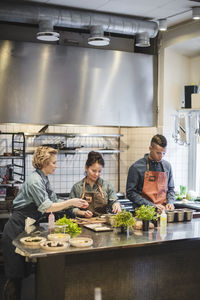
(35,198)
(99,194)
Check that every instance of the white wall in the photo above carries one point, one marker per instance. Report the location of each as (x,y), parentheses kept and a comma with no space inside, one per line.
(176,75)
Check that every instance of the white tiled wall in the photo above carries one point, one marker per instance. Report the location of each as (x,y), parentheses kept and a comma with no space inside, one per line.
(134,144)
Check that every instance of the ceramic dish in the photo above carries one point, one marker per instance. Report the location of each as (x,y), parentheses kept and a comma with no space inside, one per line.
(59,237)
(81,242)
(33,241)
(53,245)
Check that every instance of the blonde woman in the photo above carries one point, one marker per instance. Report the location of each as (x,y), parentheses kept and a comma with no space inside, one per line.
(34,199)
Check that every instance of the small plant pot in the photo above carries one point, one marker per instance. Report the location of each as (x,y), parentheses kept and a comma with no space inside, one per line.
(145,225)
(123,229)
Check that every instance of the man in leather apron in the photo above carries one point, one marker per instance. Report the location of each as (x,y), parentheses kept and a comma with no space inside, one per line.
(150,179)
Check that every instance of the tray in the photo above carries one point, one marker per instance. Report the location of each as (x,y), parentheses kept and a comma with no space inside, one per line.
(98,227)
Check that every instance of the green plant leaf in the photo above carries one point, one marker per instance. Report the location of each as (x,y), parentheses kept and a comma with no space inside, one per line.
(124,219)
(146,212)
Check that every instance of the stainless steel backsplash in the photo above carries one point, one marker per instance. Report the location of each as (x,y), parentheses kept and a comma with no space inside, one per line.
(52,84)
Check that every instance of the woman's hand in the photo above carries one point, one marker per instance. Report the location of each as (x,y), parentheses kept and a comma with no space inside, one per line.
(85,213)
(78,202)
(116,208)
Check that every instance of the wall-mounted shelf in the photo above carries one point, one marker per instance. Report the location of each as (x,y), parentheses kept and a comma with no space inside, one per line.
(103,151)
(73,135)
(11,157)
(188,110)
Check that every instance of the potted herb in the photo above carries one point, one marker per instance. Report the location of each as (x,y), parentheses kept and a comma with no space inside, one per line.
(146,213)
(124,220)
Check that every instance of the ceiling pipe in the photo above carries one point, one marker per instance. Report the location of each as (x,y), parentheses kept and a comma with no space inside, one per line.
(29,13)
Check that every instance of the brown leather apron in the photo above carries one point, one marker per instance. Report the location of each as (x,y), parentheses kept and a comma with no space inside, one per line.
(96,200)
(155,186)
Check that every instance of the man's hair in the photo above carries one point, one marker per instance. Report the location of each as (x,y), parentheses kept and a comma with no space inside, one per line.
(160,140)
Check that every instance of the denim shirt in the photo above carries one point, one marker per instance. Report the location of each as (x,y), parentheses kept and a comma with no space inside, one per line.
(107,188)
(135,180)
(36,189)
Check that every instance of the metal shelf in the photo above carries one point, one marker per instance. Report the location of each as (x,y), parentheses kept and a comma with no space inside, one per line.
(82,151)
(188,110)
(11,157)
(73,135)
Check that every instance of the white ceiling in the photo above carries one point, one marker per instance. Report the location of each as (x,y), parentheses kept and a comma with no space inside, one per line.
(174,10)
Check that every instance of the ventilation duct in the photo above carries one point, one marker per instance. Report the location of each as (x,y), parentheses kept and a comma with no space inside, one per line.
(46,32)
(97,37)
(142,40)
(29,13)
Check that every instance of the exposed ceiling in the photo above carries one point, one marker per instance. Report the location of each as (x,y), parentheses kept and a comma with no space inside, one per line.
(176,11)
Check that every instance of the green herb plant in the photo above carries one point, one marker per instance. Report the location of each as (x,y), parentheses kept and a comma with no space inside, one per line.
(124,219)
(146,212)
(71,228)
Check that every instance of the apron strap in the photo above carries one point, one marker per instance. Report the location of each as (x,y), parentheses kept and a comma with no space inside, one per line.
(83,194)
(98,185)
(100,189)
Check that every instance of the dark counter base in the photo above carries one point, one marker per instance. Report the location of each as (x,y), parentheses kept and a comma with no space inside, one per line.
(168,271)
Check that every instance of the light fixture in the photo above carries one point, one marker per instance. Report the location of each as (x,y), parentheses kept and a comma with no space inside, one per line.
(97,37)
(142,40)
(162,24)
(196,13)
(46,32)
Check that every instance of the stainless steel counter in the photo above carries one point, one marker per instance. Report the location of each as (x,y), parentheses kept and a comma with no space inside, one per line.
(141,266)
(103,241)
(189,204)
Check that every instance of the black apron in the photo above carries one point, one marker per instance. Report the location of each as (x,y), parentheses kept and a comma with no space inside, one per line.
(15,266)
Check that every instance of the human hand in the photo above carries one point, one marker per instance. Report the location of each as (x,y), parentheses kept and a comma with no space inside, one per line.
(169,206)
(79,202)
(88,214)
(85,213)
(116,208)
(160,208)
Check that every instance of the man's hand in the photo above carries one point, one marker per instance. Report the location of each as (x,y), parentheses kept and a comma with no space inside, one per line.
(169,206)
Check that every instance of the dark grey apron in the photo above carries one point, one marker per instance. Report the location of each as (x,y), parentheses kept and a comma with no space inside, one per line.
(15,266)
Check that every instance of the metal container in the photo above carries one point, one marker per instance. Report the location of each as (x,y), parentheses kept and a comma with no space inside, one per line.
(110,219)
(180,214)
(170,216)
(188,214)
